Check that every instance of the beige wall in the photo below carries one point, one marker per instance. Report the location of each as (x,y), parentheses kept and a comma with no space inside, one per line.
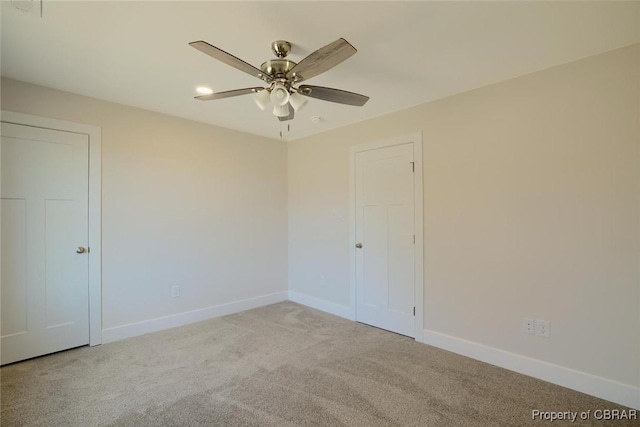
(183,203)
(532,194)
(532,200)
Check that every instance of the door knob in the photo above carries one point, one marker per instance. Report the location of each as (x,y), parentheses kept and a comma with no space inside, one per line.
(80,250)
(359,245)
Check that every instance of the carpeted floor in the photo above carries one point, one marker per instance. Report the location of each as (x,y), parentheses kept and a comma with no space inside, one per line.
(281,365)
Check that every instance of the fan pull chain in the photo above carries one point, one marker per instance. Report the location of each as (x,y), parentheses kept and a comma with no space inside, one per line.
(288,129)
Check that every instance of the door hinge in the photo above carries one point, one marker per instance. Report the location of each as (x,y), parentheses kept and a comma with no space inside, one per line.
(414,239)
(413,166)
(414,311)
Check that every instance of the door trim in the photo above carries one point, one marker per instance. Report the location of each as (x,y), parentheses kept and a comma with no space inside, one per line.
(416,139)
(94,134)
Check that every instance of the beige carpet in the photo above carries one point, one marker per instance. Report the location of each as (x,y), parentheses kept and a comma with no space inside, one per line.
(281,365)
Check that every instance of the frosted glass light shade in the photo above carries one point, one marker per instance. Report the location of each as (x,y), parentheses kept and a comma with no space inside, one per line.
(297,101)
(262,99)
(281,110)
(279,95)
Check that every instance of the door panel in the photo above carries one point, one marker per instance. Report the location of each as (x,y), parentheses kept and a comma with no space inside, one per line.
(14,272)
(374,273)
(59,290)
(45,304)
(385,227)
(400,231)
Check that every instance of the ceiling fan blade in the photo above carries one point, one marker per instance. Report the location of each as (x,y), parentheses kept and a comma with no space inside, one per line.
(228,93)
(321,60)
(333,95)
(229,59)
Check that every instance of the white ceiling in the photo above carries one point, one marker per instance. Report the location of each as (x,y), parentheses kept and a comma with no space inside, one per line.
(409,53)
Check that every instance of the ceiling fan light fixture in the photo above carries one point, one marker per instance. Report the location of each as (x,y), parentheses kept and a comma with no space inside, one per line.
(297,101)
(262,99)
(281,110)
(281,74)
(279,95)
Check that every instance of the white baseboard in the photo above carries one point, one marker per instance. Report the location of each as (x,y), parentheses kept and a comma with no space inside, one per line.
(323,305)
(153,325)
(603,388)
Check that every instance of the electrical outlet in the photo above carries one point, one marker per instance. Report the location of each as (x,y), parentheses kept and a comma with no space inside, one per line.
(542,328)
(175,291)
(528,325)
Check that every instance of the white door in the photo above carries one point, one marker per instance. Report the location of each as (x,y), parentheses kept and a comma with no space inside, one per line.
(44,217)
(384,193)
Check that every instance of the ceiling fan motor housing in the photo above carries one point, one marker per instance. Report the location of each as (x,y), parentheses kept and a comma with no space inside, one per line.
(278,68)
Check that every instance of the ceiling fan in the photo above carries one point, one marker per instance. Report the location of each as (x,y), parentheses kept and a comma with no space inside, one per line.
(281,75)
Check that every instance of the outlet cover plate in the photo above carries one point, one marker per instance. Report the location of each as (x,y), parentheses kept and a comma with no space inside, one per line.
(528,325)
(542,328)
(175,291)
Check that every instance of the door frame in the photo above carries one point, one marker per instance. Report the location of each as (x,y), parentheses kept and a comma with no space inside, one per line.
(416,139)
(94,134)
